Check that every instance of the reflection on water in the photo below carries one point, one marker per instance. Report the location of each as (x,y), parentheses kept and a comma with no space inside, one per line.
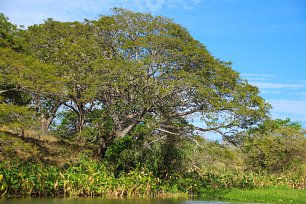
(107,201)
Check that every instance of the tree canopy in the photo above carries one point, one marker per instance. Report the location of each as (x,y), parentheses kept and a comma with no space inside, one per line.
(122,72)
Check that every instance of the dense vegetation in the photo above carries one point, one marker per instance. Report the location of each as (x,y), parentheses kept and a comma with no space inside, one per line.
(106,107)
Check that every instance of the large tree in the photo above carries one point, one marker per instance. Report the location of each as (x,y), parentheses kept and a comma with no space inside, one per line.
(138,69)
(156,74)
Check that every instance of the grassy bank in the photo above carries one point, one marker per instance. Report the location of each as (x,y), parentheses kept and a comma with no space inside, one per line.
(44,166)
(88,178)
(277,195)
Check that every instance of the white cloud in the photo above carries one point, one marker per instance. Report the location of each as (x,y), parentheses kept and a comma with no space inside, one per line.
(257,79)
(257,75)
(271,91)
(28,12)
(289,106)
(267,81)
(270,85)
(287,97)
(295,109)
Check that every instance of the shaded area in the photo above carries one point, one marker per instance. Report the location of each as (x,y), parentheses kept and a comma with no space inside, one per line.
(35,147)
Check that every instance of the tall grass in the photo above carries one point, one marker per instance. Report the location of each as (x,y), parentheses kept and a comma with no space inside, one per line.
(89,178)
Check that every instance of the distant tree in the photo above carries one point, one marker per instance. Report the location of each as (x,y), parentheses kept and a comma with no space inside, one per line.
(276,146)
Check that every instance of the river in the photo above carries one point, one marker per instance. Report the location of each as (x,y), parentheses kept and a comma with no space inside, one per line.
(108,201)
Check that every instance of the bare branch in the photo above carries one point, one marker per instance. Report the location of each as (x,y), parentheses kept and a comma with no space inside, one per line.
(188,112)
(166,131)
(3,91)
(196,142)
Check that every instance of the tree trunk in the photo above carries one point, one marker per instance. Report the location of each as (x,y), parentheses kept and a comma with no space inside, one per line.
(81,121)
(102,147)
(45,123)
(22,133)
(126,130)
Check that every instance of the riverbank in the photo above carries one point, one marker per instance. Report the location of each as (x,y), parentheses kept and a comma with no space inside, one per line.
(93,179)
(278,195)
(272,195)
(45,167)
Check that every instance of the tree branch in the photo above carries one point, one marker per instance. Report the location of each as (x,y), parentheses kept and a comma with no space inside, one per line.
(73,108)
(217,128)
(196,142)
(3,91)
(166,131)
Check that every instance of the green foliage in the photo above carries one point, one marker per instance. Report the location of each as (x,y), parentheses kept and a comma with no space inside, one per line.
(161,156)
(14,116)
(85,179)
(9,34)
(212,155)
(276,146)
(10,112)
(114,151)
(65,124)
(22,78)
(88,178)
(135,67)
(272,125)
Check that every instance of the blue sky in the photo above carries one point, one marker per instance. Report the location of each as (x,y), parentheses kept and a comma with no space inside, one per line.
(265,39)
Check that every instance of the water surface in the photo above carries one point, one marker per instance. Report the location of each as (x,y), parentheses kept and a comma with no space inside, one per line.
(108,201)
